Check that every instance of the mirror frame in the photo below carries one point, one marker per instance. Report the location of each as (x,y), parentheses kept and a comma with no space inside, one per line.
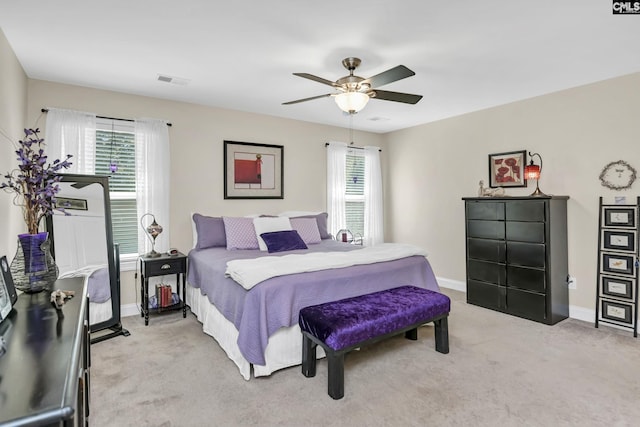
(113,257)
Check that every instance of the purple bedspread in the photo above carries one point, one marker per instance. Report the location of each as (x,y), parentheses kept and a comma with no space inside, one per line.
(276,302)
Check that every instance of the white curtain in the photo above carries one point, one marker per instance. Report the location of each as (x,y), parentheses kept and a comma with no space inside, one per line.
(72,132)
(373,206)
(336,185)
(152,180)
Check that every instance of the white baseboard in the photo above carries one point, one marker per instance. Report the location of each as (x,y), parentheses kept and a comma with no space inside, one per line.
(575,312)
(456,285)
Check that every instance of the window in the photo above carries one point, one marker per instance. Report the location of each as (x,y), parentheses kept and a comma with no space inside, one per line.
(115,143)
(354,195)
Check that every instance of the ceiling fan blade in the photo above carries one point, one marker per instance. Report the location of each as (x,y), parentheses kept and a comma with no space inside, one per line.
(392,75)
(306,99)
(407,98)
(316,79)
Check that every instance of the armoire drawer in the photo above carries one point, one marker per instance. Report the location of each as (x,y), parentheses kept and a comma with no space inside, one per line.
(525,210)
(486,229)
(529,305)
(517,231)
(485,210)
(486,271)
(485,294)
(531,279)
(489,250)
(526,254)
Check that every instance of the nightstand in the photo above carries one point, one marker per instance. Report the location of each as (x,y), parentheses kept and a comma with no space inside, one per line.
(162,265)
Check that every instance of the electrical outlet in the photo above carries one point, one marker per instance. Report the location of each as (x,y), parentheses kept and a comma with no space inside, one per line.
(572,282)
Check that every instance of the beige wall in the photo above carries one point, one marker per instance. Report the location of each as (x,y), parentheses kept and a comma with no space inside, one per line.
(576,131)
(13,110)
(197,137)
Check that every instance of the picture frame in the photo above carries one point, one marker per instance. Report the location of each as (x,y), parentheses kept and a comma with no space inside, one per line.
(68,203)
(617,264)
(253,171)
(507,169)
(617,287)
(8,294)
(619,240)
(619,217)
(616,312)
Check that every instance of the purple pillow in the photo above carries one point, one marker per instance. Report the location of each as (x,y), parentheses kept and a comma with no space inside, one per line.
(321,219)
(210,231)
(307,228)
(240,232)
(279,241)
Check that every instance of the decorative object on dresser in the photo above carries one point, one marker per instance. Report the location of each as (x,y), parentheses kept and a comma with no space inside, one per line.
(165,300)
(35,184)
(532,171)
(618,175)
(46,367)
(253,171)
(516,256)
(617,294)
(507,169)
(152,231)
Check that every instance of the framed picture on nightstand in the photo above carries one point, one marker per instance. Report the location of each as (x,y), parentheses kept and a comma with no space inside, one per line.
(619,240)
(619,217)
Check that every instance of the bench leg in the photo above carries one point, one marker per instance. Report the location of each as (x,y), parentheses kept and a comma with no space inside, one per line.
(336,374)
(308,357)
(442,335)
(411,334)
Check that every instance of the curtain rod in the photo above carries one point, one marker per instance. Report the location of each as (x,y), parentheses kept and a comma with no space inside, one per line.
(46,110)
(326,144)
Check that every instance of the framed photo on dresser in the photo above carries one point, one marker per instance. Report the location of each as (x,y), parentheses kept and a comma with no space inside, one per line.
(8,295)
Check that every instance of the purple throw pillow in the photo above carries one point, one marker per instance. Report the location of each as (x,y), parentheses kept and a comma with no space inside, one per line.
(240,232)
(210,231)
(279,241)
(307,228)
(321,218)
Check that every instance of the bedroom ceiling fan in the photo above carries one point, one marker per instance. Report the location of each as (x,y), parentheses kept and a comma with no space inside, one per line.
(353,92)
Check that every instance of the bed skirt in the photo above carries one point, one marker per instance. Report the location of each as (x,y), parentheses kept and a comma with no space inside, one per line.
(284,348)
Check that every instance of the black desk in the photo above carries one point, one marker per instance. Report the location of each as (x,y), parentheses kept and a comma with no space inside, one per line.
(44,375)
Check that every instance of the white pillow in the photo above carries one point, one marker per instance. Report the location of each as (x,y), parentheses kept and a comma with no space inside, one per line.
(269,224)
(298,213)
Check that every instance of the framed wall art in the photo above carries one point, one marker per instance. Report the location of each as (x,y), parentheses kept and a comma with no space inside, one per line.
(619,217)
(620,264)
(507,169)
(619,240)
(253,171)
(617,287)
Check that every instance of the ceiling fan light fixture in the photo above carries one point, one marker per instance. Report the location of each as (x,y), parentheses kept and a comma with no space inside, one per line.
(351,102)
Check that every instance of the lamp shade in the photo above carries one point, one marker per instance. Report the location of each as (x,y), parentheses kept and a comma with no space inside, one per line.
(532,171)
(352,102)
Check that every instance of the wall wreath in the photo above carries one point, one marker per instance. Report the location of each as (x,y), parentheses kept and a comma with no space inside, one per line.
(618,175)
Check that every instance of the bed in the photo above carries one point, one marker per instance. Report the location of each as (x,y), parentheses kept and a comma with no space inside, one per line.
(254,316)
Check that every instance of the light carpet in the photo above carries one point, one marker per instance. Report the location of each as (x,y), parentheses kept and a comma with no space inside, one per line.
(501,371)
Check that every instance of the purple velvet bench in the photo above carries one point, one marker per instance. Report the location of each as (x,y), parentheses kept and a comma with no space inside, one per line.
(341,326)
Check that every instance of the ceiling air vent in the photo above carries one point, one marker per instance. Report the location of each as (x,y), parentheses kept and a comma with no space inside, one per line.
(173,80)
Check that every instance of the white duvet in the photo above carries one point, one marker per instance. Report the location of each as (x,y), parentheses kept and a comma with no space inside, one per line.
(250,272)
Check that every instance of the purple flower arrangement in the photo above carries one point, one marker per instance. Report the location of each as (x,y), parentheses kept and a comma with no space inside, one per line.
(35,181)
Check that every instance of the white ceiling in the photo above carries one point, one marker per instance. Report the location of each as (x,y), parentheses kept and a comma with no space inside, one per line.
(468,55)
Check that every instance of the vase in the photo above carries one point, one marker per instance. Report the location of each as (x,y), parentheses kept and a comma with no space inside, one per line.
(33,268)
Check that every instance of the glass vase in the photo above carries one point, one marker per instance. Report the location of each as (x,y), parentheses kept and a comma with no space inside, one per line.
(33,268)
